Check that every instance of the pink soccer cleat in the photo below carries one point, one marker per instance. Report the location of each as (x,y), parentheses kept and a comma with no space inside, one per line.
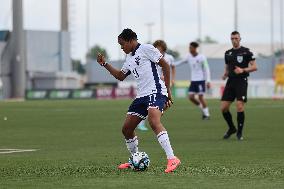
(172,165)
(124,166)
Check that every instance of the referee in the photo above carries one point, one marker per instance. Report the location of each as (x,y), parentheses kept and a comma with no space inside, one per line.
(239,62)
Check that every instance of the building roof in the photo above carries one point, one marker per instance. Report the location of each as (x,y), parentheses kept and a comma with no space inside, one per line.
(217,50)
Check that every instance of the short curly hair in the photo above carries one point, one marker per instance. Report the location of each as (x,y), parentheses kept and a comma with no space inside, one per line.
(194,44)
(128,35)
(160,43)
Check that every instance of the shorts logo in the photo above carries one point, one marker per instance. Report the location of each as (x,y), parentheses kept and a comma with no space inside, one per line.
(200,88)
(240,59)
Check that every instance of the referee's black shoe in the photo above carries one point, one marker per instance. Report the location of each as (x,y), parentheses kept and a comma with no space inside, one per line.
(240,136)
(230,132)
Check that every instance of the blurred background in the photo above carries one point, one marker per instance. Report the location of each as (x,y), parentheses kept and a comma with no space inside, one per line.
(48,48)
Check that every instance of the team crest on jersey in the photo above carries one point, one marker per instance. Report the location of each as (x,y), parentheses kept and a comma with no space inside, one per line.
(240,59)
(137,60)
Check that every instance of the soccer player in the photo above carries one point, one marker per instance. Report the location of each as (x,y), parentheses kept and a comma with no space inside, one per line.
(162,47)
(200,78)
(239,62)
(278,75)
(153,94)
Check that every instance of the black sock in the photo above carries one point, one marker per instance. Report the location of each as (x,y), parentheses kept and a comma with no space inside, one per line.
(228,117)
(241,120)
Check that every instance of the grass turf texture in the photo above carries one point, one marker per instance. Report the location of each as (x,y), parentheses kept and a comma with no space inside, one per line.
(80,145)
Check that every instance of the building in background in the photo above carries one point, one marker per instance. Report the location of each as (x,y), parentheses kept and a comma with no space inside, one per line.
(35,59)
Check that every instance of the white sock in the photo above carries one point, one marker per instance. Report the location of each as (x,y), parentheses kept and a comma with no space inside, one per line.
(206,111)
(164,141)
(132,144)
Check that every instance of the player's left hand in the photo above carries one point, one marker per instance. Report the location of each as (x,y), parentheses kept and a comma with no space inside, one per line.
(100,59)
(238,70)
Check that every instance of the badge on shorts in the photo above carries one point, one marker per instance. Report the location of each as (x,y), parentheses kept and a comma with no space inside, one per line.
(240,59)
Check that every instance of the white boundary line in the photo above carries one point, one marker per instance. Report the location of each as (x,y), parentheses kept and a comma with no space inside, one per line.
(10,151)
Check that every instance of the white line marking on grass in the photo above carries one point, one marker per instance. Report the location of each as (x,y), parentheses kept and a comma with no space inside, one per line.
(10,151)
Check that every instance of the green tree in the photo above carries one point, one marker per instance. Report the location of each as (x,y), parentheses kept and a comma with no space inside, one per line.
(207,40)
(93,52)
(78,67)
(174,53)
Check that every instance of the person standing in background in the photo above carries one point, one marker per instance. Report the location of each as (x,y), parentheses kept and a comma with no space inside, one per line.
(200,78)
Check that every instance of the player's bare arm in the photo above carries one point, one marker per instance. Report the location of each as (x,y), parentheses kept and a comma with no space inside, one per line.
(208,75)
(118,74)
(173,68)
(167,79)
(226,72)
(252,67)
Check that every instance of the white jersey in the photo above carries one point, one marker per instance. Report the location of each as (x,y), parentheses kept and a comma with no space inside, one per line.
(199,67)
(169,59)
(142,64)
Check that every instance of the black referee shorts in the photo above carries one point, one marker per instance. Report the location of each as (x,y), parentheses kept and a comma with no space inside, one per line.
(236,88)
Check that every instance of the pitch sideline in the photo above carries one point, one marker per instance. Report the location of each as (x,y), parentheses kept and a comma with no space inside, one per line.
(10,151)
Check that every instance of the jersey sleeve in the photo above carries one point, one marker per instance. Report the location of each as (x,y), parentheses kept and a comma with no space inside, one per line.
(182,61)
(207,69)
(152,53)
(251,56)
(225,57)
(125,69)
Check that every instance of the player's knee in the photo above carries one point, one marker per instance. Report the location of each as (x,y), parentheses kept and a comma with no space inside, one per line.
(200,97)
(240,108)
(152,122)
(224,109)
(191,97)
(125,130)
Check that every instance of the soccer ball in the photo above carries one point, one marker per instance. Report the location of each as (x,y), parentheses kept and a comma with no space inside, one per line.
(139,161)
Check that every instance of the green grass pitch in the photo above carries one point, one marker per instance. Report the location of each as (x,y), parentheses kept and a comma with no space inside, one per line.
(80,144)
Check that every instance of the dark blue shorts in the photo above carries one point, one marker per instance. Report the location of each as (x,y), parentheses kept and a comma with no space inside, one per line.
(197,87)
(140,106)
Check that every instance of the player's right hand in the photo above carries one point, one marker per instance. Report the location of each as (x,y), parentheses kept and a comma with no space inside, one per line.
(100,59)
(208,85)
(169,101)
(224,77)
(172,82)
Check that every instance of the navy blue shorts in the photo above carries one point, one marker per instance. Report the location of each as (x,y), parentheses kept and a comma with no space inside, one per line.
(140,106)
(197,87)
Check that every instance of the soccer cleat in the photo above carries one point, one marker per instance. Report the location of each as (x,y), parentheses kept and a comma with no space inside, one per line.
(172,165)
(229,133)
(204,117)
(124,166)
(142,127)
(240,136)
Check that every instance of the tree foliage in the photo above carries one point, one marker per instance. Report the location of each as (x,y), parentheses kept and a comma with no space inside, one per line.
(78,67)
(93,52)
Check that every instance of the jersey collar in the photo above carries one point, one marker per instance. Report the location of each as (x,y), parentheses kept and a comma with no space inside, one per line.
(133,52)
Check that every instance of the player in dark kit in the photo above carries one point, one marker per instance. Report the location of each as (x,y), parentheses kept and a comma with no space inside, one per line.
(239,62)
